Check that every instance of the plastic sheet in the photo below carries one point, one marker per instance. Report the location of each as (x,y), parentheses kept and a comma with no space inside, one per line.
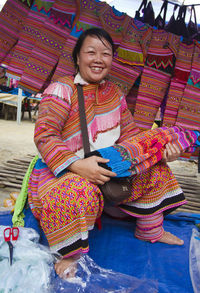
(90,278)
(32,264)
(33,271)
(194,260)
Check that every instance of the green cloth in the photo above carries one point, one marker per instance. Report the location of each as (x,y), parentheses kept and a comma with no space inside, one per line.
(18,215)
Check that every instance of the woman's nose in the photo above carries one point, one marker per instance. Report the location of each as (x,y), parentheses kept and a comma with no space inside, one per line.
(98,57)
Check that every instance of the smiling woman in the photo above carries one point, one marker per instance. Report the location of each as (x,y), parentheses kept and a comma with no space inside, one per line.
(93,56)
(64,192)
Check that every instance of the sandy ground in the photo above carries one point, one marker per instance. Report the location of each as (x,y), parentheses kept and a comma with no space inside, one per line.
(16,141)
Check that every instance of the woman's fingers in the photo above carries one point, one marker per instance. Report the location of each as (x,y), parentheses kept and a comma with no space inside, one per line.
(171,152)
(105,171)
(89,168)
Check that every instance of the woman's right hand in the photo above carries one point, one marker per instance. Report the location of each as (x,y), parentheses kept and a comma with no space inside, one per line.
(90,169)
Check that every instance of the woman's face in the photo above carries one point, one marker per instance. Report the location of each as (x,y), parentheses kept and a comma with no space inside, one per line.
(94,59)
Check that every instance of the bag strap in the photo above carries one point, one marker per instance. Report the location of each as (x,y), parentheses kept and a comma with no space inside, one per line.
(160,21)
(84,130)
(142,5)
(192,11)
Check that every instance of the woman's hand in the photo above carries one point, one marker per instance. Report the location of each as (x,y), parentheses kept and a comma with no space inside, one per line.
(171,153)
(89,169)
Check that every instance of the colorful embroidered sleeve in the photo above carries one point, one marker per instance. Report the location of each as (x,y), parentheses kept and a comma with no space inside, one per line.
(53,113)
(128,126)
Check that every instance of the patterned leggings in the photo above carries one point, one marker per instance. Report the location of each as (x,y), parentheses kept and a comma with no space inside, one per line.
(150,228)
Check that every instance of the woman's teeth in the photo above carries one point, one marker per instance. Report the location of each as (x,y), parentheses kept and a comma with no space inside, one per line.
(97,69)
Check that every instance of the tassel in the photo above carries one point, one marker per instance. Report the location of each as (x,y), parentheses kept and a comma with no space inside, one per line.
(104,123)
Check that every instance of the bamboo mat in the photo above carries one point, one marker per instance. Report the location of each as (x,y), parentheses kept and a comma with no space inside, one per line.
(191,188)
(13,171)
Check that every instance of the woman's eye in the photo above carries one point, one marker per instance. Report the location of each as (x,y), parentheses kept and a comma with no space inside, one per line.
(107,54)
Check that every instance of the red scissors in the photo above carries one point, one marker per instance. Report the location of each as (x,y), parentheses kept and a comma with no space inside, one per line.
(11,234)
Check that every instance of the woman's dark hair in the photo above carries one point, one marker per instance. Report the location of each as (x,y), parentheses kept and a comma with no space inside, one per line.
(97,32)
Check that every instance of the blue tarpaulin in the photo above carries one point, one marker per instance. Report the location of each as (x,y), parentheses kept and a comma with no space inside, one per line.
(115,247)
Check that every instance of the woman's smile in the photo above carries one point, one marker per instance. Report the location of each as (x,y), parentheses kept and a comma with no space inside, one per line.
(97,69)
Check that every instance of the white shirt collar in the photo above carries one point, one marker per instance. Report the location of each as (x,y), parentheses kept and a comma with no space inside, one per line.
(78,79)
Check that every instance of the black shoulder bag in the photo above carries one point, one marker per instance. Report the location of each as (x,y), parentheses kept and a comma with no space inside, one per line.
(117,189)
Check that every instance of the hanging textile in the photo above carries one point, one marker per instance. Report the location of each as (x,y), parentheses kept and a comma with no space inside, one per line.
(130,51)
(12,18)
(132,96)
(27,2)
(27,38)
(65,64)
(87,16)
(124,76)
(155,77)
(42,6)
(114,22)
(63,12)
(44,57)
(128,60)
(189,109)
(178,83)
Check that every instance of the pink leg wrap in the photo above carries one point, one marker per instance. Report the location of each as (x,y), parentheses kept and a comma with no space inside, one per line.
(150,228)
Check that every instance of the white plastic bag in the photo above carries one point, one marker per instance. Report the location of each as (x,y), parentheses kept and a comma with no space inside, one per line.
(32,264)
(194,260)
(90,278)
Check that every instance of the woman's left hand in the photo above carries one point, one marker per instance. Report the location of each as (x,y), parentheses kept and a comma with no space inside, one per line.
(171,153)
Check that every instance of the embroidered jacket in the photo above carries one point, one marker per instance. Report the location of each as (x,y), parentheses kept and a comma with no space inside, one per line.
(57,130)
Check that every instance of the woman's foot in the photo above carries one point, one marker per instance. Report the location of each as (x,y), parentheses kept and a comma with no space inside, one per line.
(169,238)
(66,267)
